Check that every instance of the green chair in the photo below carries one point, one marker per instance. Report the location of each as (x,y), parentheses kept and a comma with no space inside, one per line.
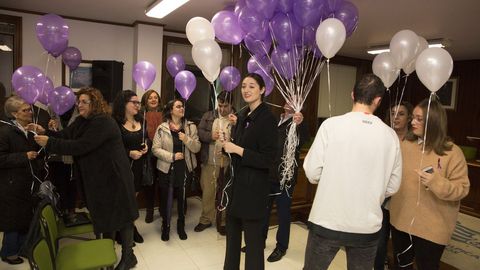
(90,254)
(62,230)
(81,257)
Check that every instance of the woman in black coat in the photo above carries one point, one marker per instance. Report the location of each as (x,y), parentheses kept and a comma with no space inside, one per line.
(18,165)
(95,142)
(253,151)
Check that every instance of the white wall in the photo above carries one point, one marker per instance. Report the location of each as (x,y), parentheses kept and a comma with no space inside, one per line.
(96,41)
(342,81)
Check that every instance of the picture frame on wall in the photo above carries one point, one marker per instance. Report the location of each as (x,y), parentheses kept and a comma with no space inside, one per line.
(448,94)
(78,78)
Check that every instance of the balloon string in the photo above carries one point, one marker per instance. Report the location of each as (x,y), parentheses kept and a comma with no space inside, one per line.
(401,98)
(329,93)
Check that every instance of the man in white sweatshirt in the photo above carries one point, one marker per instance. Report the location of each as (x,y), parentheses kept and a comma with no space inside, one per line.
(355,159)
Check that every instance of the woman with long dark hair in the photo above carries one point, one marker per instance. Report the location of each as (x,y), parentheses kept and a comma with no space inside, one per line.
(253,152)
(175,144)
(423,213)
(95,142)
(153,115)
(126,108)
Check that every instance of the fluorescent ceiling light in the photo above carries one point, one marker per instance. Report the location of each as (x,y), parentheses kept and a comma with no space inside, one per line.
(162,8)
(5,48)
(433,43)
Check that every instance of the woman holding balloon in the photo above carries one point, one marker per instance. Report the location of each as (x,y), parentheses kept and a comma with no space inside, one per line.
(424,211)
(175,144)
(252,150)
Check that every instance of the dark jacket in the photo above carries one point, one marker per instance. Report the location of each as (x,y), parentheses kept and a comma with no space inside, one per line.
(302,133)
(205,134)
(257,134)
(16,199)
(97,147)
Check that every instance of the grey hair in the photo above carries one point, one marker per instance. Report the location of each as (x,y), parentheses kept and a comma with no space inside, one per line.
(13,104)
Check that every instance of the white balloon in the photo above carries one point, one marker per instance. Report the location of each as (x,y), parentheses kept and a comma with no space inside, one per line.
(207,55)
(403,47)
(199,28)
(330,37)
(384,67)
(422,45)
(211,78)
(434,67)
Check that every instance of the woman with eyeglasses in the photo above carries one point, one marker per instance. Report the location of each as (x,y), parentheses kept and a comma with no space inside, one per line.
(95,142)
(126,107)
(175,144)
(253,151)
(153,115)
(423,213)
(19,165)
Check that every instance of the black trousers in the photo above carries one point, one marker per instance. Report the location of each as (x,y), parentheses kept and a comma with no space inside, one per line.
(151,190)
(178,192)
(61,174)
(254,240)
(426,254)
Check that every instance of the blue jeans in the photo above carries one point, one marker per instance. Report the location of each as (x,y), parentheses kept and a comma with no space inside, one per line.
(321,251)
(11,244)
(283,201)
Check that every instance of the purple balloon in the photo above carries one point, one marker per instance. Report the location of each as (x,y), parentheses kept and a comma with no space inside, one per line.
(185,83)
(239,6)
(256,62)
(268,79)
(316,51)
(229,78)
(61,99)
(72,57)
(308,12)
(229,7)
(47,88)
(144,74)
(284,62)
(285,30)
(347,13)
(52,32)
(27,81)
(227,28)
(264,7)
(308,36)
(332,6)
(175,64)
(284,6)
(258,47)
(253,23)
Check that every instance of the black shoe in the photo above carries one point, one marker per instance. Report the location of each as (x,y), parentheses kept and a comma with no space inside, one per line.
(136,236)
(243,249)
(200,227)
(276,255)
(222,230)
(16,260)
(149,216)
(127,262)
(165,233)
(181,230)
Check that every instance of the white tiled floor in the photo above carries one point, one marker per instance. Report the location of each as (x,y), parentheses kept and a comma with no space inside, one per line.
(204,250)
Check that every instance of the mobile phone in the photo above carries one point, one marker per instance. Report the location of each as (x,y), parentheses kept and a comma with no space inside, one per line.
(428,169)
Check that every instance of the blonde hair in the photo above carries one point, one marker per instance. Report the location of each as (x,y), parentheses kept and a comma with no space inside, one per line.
(12,105)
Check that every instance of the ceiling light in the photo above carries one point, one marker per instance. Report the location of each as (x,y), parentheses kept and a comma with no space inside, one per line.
(162,8)
(432,43)
(5,48)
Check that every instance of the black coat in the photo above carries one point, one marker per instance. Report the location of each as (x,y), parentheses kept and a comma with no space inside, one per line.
(16,199)
(257,134)
(99,156)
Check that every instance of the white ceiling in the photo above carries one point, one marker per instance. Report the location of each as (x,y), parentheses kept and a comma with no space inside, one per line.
(455,20)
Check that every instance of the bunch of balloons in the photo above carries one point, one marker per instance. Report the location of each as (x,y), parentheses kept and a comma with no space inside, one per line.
(185,81)
(410,52)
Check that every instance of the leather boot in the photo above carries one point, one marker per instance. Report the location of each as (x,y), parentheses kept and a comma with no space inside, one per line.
(137,238)
(165,231)
(149,215)
(181,229)
(128,259)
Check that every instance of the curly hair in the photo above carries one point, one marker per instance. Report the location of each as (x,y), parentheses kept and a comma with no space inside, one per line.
(145,97)
(98,105)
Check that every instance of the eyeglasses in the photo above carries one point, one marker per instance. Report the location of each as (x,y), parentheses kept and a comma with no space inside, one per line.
(26,110)
(83,102)
(135,102)
(179,106)
(417,119)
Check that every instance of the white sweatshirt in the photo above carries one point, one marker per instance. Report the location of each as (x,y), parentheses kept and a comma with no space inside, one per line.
(356,161)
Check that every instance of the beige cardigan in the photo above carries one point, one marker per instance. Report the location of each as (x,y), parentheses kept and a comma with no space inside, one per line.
(437,210)
(162,146)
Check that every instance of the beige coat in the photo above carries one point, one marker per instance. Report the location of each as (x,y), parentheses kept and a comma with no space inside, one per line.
(162,146)
(435,215)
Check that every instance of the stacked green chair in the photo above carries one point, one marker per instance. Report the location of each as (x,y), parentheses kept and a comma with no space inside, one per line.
(92,254)
(70,232)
